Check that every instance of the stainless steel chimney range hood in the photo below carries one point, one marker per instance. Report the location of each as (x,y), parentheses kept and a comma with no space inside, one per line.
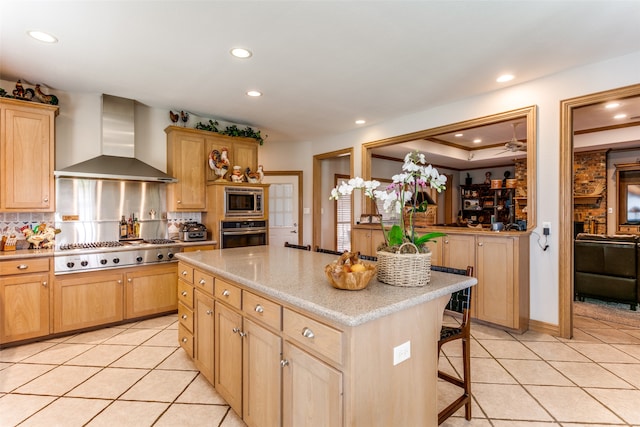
(118,149)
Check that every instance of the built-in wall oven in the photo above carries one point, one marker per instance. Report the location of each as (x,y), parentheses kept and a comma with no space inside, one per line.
(235,234)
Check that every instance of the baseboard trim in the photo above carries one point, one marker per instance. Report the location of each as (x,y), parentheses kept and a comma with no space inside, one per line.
(544,328)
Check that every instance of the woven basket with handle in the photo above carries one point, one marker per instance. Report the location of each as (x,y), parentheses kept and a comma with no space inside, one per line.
(408,270)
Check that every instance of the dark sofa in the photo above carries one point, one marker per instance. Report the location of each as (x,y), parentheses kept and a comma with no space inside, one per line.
(606,268)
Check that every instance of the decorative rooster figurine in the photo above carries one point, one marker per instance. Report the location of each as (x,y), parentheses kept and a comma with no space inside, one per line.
(21,92)
(47,99)
(254,177)
(219,162)
(174,116)
(184,117)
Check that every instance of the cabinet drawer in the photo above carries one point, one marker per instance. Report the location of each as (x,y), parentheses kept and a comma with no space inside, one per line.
(31,265)
(313,335)
(185,316)
(203,281)
(262,309)
(185,293)
(228,293)
(185,272)
(185,339)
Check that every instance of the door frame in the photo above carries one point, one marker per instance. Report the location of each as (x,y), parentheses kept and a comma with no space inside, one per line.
(298,174)
(317,189)
(565,262)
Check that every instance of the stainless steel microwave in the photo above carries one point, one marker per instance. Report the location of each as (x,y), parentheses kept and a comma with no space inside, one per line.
(246,202)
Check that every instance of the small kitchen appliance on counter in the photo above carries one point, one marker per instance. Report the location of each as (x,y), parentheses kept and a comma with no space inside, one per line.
(193,232)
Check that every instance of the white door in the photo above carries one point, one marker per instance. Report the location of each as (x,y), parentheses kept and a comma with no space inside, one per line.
(283,209)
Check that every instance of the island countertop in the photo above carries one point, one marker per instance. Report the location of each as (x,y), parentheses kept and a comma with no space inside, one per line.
(297,277)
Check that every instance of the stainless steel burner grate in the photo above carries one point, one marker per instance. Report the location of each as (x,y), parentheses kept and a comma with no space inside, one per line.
(90,245)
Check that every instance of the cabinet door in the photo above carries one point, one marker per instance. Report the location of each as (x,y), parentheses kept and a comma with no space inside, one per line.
(204,334)
(261,376)
(24,307)
(245,154)
(151,290)
(186,162)
(312,390)
(228,350)
(458,251)
(495,301)
(27,160)
(84,300)
(360,241)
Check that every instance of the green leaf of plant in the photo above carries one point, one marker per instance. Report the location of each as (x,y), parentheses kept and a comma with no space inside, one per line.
(427,238)
(396,235)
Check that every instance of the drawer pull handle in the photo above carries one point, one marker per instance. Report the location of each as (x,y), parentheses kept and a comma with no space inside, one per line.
(209,312)
(46,199)
(44,284)
(184,293)
(202,281)
(284,363)
(184,339)
(129,280)
(184,272)
(226,293)
(446,242)
(184,316)
(22,267)
(308,333)
(242,334)
(236,330)
(480,244)
(259,309)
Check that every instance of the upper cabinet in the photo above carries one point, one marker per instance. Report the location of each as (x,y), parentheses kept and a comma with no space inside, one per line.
(188,161)
(27,161)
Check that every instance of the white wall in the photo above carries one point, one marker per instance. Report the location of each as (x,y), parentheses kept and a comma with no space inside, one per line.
(547,94)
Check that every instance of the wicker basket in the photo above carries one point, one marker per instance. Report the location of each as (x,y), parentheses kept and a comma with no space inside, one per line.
(407,270)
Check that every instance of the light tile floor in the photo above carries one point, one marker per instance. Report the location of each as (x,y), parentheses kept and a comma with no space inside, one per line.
(136,375)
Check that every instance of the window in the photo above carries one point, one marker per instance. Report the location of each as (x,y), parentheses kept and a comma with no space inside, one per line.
(343,219)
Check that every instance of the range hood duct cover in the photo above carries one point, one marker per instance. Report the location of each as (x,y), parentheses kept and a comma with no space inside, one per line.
(118,149)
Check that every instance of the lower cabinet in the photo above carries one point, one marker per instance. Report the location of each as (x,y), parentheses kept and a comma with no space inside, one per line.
(203,313)
(366,240)
(24,299)
(83,300)
(228,352)
(312,390)
(150,291)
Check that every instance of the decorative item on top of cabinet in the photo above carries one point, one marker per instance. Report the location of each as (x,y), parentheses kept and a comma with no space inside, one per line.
(236,175)
(26,181)
(254,177)
(219,162)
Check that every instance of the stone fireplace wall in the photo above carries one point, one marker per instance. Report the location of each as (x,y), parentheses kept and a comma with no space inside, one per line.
(590,174)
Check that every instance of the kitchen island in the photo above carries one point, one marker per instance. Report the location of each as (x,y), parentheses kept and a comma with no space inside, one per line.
(283,347)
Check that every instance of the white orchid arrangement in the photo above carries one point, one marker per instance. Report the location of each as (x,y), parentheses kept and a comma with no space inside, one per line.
(402,196)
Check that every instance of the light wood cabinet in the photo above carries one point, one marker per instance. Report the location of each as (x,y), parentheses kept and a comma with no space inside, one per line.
(323,406)
(502,296)
(366,240)
(241,151)
(27,154)
(150,290)
(83,300)
(203,335)
(228,356)
(186,162)
(24,299)
(459,251)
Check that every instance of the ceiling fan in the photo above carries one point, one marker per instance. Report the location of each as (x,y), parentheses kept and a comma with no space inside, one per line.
(514,145)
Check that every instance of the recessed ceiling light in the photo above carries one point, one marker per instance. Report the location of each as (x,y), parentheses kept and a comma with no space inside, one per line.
(360,122)
(619,116)
(42,36)
(612,105)
(505,78)
(477,141)
(240,52)
(254,93)
(458,135)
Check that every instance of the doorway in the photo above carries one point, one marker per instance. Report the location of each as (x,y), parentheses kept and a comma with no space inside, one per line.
(285,207)
(566,192)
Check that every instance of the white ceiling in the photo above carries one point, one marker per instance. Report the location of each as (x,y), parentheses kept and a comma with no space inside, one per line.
(321,65)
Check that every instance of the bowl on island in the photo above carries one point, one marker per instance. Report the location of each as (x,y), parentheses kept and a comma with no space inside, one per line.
(349,272)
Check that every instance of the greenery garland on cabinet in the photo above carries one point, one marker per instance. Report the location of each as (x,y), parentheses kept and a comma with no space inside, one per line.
(232,130)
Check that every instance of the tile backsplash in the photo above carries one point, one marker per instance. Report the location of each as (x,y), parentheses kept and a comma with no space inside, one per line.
(11,222)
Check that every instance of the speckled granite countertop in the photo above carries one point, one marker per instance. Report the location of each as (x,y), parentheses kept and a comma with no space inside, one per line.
(297,277)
